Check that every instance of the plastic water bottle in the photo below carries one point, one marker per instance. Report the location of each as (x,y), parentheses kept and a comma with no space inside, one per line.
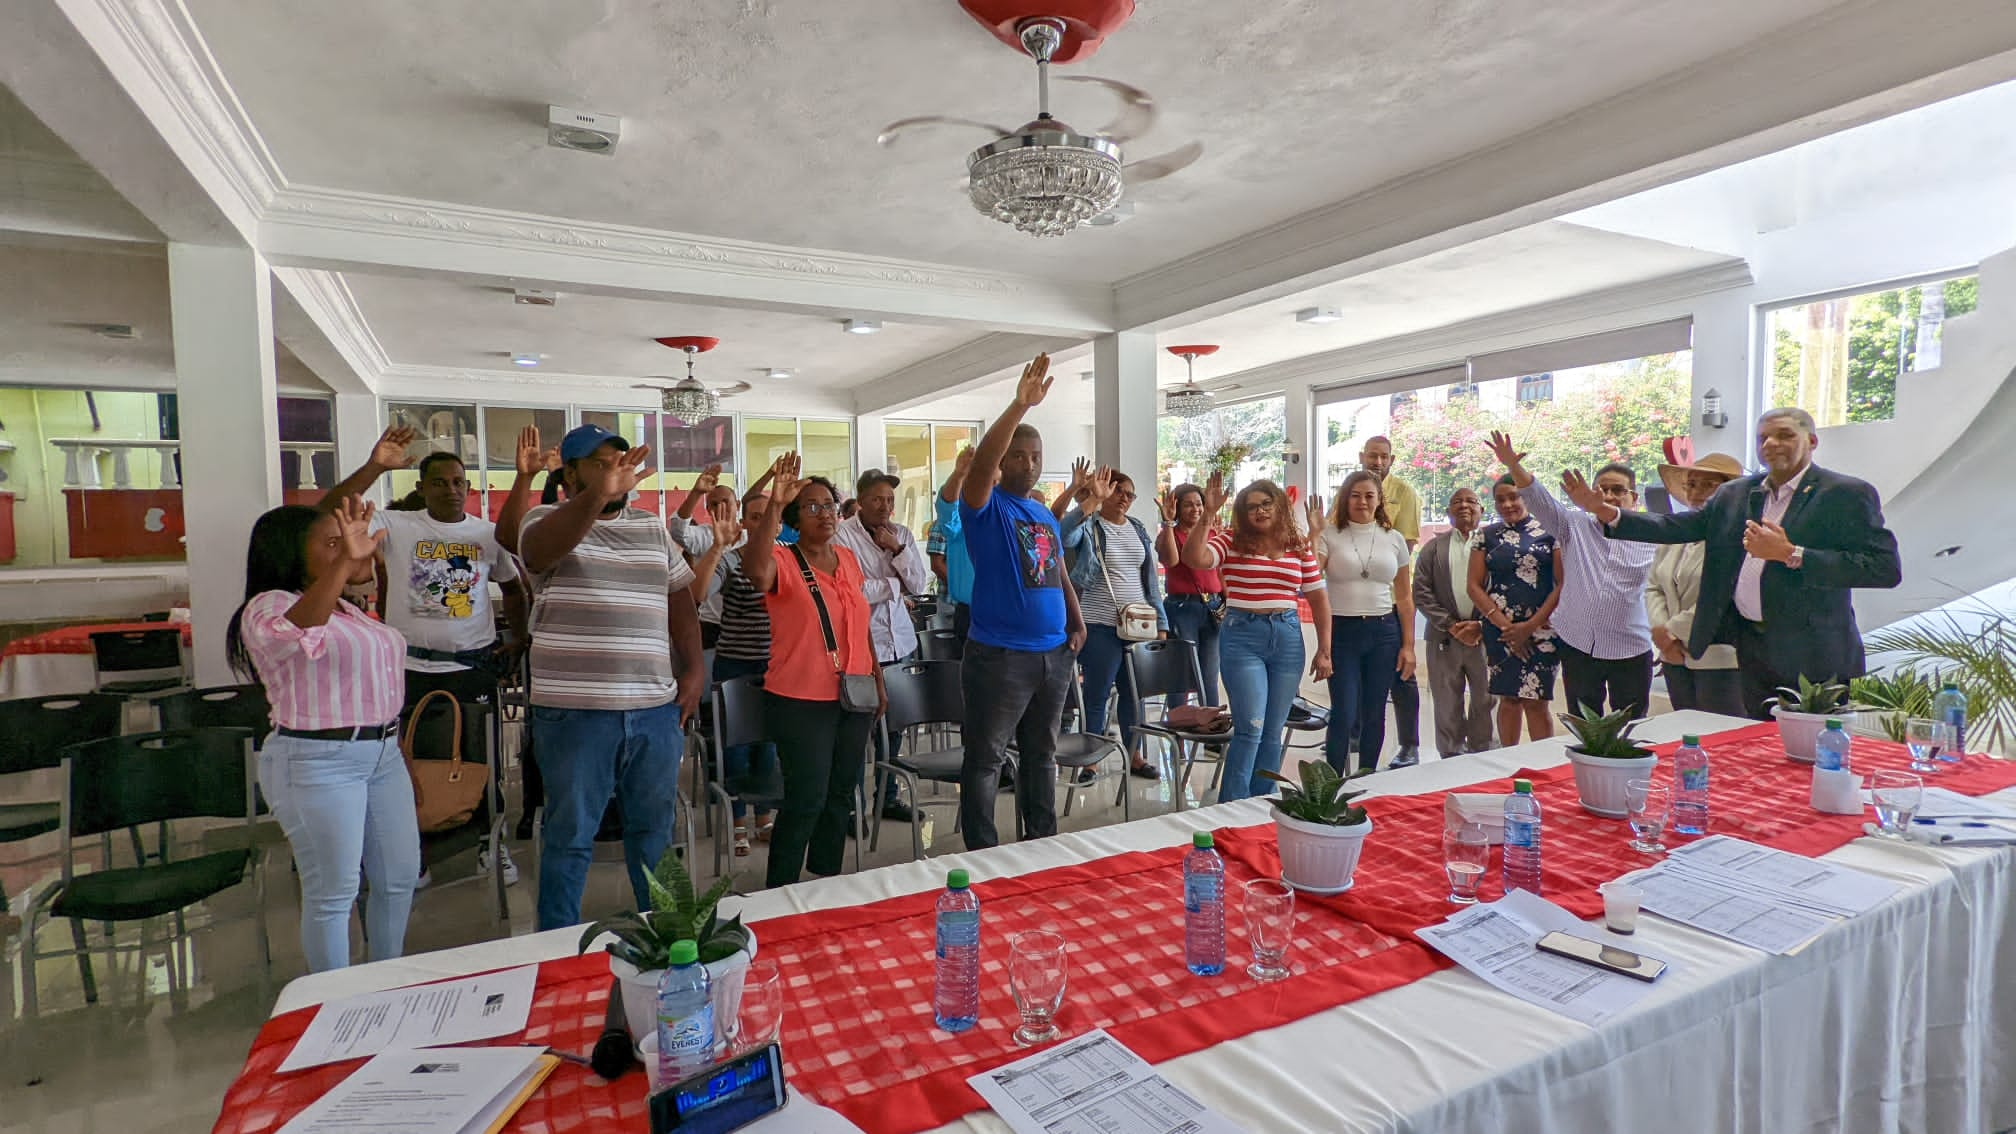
(1522,838)
(685,1016)
(1950,706)
(1830,752)
(1203,907)
(955,1003)
(1690,787)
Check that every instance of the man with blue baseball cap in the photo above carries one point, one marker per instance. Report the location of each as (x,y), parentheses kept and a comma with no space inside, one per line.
(615,614)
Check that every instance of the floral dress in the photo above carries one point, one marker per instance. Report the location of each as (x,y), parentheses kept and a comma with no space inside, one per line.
(1519,574)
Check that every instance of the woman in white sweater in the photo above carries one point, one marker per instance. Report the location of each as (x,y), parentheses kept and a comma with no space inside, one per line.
(1708,682)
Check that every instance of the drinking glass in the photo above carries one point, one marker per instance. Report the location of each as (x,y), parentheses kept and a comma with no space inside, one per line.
(1270,927)
(1647,807)
(1466,855)
(757,1018)
(1948,751)
(1925,738)
(1036,968)
(1897,796)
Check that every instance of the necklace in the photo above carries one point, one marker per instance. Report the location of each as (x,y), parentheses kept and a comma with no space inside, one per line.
(1364,562)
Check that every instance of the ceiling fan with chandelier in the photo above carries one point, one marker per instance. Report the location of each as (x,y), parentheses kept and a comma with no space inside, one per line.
(689,400)
(1044,177)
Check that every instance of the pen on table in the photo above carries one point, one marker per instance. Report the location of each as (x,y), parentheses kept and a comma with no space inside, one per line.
(1952,823)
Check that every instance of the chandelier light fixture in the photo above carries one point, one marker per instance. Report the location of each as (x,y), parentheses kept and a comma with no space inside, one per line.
(689,401)
(1045,179)
(1190,401)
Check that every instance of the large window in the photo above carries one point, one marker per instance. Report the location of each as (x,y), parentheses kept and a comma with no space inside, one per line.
(1838,359)
(485,437)
(1249,436)
(923,454)
(1592,415)
(826,447)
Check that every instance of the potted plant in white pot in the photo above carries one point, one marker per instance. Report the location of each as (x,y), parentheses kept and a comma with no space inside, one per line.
(1319,830)
(1804,711)
(638,955)
(1606,760)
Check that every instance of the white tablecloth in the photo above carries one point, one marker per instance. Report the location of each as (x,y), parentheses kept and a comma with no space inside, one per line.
(1888,1022)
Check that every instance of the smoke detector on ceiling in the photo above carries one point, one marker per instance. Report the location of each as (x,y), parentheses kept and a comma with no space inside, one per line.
(115,331)
(861,326)
(582,130)
(1319,315)
(534,297)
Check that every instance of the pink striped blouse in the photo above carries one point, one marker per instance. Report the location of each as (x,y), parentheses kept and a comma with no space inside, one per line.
(347,672)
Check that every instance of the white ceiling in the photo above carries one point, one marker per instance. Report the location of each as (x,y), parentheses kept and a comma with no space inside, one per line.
(46,189)
(755,119)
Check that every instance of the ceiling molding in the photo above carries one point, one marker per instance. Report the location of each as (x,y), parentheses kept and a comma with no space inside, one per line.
(1531,323)
(328,303)
(954,372)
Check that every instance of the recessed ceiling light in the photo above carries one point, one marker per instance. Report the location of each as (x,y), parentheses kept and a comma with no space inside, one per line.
(779,372)
(534,297)
(582,131)
(116,331)
(1319,315)
(524,358)
(862,326)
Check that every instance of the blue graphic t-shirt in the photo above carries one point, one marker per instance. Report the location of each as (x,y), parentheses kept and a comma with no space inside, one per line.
(1018,573)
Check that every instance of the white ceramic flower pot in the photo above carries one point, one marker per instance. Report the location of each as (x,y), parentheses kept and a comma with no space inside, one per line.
(1317,858)
(640,989)
(1602,781)
(1801,731)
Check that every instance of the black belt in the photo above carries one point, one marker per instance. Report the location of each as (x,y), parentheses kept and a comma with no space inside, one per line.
(361,732)
(459,657)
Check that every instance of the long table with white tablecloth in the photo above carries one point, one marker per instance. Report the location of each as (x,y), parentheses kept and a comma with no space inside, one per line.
(1887,1022)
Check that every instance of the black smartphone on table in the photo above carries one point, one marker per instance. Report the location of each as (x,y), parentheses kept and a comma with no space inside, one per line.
(725,1097)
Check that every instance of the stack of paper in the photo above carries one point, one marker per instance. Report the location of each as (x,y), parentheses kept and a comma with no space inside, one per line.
(1496,941)
(1767,899)
(421,1015)
(444,1090)
(1093,1085)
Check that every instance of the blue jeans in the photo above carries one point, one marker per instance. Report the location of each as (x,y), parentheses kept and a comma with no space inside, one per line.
(586,755)
(745,763)
(1261,656)
(1103,663)
(341,803)
(1363,654)
(1190,620)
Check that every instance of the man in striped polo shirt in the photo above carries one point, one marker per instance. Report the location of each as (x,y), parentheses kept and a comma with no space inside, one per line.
(615,613)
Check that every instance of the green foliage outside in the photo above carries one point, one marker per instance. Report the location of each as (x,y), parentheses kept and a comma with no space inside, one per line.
(1881,327)
(1262,426)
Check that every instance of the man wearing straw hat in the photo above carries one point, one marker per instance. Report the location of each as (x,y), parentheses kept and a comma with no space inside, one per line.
(1708,680)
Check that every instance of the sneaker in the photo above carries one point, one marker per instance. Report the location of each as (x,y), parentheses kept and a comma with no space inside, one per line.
(1407,757)
(483,863)
(1085,776)
(1145,771)
(426,880)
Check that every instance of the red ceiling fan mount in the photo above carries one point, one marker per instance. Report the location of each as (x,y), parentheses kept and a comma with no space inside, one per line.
(1085,23)
(700,343)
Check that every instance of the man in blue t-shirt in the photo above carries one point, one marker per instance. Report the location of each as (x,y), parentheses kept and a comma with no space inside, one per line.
(947,548)
(1022,645)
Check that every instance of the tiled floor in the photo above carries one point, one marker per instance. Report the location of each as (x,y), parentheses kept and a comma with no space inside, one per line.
(156,1054)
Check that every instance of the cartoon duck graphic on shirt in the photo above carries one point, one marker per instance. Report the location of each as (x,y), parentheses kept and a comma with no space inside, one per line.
(442,578)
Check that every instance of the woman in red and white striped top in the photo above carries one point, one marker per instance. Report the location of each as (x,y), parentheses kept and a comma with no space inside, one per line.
(331,770)
(1266,563)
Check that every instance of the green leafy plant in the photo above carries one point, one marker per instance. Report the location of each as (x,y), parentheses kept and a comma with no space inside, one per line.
(1978,654)
(1319,797)
(1607,735)
(645,939)
(1894,699)
(1225,459)
(1812,697)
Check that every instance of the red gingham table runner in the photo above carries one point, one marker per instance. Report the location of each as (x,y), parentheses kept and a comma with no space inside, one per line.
(858,1033)
(77,639)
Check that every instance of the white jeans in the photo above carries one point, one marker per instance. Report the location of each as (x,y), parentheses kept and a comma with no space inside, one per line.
(343,803)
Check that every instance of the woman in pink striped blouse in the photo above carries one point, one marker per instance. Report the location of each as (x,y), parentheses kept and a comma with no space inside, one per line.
(331,769)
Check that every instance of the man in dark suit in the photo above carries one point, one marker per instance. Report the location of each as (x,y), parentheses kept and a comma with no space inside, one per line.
(1455,635)
(1785,548)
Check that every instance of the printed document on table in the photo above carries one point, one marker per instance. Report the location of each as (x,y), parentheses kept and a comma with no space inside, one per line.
(1093,1085)
(1496,941)
(424,1015)
(1746,866)
(446,1090)
(1754,918)
(1945,803)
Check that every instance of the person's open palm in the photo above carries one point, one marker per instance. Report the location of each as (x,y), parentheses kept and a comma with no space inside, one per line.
(624,474)
(390,451)
(1100,486)
(530,459)
(353,522)
(1214,494)
(1166,501)
(727,529)
(708,478)
(1502,448)
(1035,382)
(785,488)
(1578,489)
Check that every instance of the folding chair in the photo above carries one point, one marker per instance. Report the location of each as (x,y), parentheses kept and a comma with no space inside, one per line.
(924,694)
(1168,670)
(219,706)
(136,663)
(127,781)
(940,645)
(1304,716)
(739,720)
(1078,750)
(433,738)
(34,731)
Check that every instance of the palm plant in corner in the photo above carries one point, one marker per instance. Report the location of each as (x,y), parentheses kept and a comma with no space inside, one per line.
(638,955)
(1320,831)
(1606,759)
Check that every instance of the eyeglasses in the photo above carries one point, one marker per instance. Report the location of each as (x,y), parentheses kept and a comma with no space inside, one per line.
(819,509)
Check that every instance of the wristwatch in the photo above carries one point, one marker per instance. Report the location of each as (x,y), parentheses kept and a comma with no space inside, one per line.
(1797,557)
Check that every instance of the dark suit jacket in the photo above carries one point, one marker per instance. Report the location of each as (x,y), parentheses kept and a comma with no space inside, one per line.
(1808,617)
(1433,596)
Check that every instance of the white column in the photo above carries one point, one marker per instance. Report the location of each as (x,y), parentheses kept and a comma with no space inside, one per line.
(871,447)
(1725,336)
(1300,431)
(1124,409)
(358,424)
(222,306)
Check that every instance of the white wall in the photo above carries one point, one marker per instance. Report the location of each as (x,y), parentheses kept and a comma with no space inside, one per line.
(1065,417)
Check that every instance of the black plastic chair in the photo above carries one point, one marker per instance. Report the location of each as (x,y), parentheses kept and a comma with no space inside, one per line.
(925,694)
(433,739)
(1167,670)
(128,781)
(1305,716)
(940,645)
(739,719)
(136,663)
(34,731)
(1078,750)
(220,706)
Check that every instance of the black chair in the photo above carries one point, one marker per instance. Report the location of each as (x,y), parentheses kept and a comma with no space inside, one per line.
(1167,671)
(127,781)
(940,645)
(433,738)
(34,731)
(1079,750)
(1305,716)
(157,616)
(925,694)
(739,719)
(136,663)
(220,706)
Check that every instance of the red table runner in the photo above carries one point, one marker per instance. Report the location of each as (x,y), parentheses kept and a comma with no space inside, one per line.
(858,1033)
(77,639)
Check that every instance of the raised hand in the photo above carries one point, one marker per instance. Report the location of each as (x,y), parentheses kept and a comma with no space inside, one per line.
(353,523)
(1214,495)
(1581,492)
(727,529)
(1081,473)
(788,458)
(1100,486)
(625,473)
(785,485)
(708,478)
(1035,382)
(530,459)
(962,462)
(390,451)
(1501,447)
(1166,501)
(552,458)
(1313,510)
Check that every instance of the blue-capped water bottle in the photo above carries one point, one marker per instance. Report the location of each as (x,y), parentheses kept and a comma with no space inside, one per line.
(955,1000)
(1690,787)
(1203,907)
(1950,707)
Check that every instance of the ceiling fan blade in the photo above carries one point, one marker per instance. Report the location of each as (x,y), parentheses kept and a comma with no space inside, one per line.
(895,129)
(1161,165)
(1137,113)
(731,391)
(648,386)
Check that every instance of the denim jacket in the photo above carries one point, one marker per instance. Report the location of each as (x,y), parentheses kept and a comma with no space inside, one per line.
(1082,540)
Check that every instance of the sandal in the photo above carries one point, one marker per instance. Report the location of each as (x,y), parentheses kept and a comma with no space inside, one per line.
(741,841)
(766,824)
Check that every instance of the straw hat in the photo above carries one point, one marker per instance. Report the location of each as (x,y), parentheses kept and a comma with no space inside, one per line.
(1674,477)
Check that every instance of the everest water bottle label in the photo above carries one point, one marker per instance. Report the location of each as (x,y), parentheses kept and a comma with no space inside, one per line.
(694,1034)
(1521,832)
(958,929)
(1694,779)
(1199,889)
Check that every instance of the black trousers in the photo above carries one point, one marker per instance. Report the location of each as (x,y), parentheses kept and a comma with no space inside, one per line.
(1406,712)
(1710,690)
(1018,694)
(1761,681)
(1606,684)
(821,748)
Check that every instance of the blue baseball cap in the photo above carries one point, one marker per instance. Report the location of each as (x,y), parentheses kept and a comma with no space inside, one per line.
(585,439)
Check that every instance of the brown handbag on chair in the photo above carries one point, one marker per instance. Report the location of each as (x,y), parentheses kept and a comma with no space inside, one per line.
(446,793)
